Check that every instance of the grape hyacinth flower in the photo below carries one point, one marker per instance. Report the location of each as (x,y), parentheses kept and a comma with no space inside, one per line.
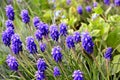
(38,35)
(108,53)
(42,47)
(56,54)
(39,75)
(80,10)
(56,71)
(117,2)
(6,36)
(16,44)
(41,65)
(44,28)
(107,2)
(30,45)
(68,2)
(63,29)
(95,4)
(70,42)
(54,32)
(36,21)
(25,16)
(88,8)
(9,23)
(10,12)
(77,75)
(87,42)
(12,62)
(77,37)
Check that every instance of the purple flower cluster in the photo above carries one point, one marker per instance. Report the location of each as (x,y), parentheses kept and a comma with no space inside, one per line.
(68,2)
(42,47)
(77,37)
(87,42)
(107,2)
(25,16)
(63,29)
(70,42)
(16,44)
(108,53)
(77,75)
(36,21)
(56,71)
(12,62)
(9,23)
(30,45)
(80,10)
(10,12)
(95,4)
(44,28)
(88,8)
(38,35)
(117,2)
(41,65)
(39,75)
(56,54)
(6,36)
(54,33)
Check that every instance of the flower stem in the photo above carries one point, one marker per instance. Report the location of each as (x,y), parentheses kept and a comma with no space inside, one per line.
(107,69)
(63,70)
(19,73)
(97,65)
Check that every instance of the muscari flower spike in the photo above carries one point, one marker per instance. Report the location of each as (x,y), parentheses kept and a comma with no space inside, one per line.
(88,8)
(12,62)
(56,71)
(117,2)
(16,44)
(95,4)
(87,42)
(80,10)
(42,47)
(25,16)
(70,42)
(56,54)
(107,2)
(63,29)
(6,36)
(36,21)
(9,23)
(54,33)
(108,53)
(30,45)
(77,37)
(38,35)
(41,65)
(68,2)
(77,75)
(10,12)
(39,75)
(44,28)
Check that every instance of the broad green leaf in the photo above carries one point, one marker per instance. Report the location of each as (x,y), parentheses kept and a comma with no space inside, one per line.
(113,39)
(116,64)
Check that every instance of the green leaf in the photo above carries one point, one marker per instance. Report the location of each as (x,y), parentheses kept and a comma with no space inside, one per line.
(115,64)
(113,39)
(98,10)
